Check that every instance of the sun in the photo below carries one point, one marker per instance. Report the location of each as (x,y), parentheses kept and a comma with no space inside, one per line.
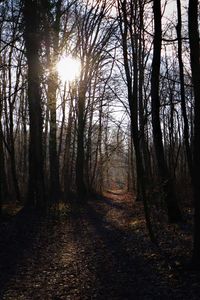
(68,68)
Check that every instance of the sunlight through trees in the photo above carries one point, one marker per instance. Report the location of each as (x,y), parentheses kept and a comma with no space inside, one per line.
(100,96)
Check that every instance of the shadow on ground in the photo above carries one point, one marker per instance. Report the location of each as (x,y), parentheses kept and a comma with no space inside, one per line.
(16,236)
(99,251)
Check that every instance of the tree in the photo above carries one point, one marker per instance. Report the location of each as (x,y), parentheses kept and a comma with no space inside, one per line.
(36,188)
(52,30)
(195,68)
(182,87)
(167,184)
(93,34)
(129,36)
(129,13)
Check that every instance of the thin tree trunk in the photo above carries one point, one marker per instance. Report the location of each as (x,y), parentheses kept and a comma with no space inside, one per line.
(11,140)
(3,179)
(67,154)
(183,106)
(53,155)
(52,43)
(80,159)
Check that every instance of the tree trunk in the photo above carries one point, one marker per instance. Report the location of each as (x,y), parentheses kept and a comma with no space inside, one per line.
(67,154)
(195,67)
(80,159)
(52,90)
(36,189)
(167,184)
(53,154)
(3,179)
(183,106)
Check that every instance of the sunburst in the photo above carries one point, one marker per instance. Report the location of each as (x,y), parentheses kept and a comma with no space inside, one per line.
(68,68)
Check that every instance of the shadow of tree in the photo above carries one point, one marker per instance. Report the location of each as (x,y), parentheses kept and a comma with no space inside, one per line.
(123,272)
(16,237)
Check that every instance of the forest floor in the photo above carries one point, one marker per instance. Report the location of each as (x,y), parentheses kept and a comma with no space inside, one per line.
(99,251)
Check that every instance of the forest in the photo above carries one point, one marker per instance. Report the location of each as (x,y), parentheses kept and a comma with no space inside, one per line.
(99,149)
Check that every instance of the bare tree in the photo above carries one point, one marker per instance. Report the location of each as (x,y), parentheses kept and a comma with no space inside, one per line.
(52,30)
(93,36)
(167,184)
(182,87)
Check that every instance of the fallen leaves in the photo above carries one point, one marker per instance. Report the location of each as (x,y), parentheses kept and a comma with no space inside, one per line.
(101,252)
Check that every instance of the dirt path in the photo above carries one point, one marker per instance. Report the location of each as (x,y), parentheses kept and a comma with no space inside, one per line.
(99,252)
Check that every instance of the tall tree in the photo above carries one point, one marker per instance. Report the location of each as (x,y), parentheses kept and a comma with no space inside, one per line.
(36,188)
(129,13)
(167,184)
(52,30)
(195,67)
(94,32)
(182,86)
(127,21)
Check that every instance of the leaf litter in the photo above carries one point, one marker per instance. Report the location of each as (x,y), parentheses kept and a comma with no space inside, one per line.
(101,251)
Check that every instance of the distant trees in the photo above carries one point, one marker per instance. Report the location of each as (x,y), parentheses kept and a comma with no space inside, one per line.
(10,91)
(131,26)
(93,35)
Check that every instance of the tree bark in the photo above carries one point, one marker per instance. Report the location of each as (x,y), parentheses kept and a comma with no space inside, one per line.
(183,106)
(36,189)
(195,67)
(167,184)
(80,160)
(52,90)
(67,154)
(53,154)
